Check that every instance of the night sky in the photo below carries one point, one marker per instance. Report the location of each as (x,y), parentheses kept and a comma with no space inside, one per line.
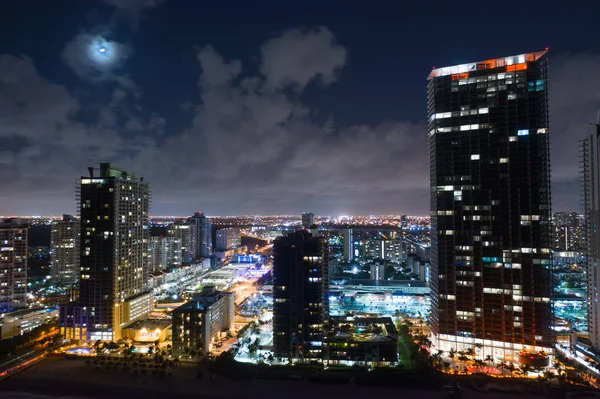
(245,107)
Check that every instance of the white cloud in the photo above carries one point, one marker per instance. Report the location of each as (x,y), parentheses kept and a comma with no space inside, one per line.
(215,71)
(297,57)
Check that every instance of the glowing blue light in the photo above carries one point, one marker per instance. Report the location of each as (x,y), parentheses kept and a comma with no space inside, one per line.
(102,53)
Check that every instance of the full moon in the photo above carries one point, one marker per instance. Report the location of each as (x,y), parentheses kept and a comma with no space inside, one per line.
(103,53)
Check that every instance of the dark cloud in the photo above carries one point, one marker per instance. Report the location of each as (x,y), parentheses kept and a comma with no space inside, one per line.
(252,146)
(132,10)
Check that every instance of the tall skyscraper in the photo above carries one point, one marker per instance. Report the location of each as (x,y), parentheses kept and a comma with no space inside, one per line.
(203,229)
(13,265)
(113,206)
(590,185)
(64,250)
(301,295)
(491,282)
(228,238)
(308,219)
(183,231)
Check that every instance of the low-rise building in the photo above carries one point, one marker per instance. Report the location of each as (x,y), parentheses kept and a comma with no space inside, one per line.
(197,323)
(23,321)
(362,341)
(148,330)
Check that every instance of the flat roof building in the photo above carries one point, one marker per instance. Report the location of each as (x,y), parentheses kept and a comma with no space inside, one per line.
(64,250)
(198,322)
(113,208)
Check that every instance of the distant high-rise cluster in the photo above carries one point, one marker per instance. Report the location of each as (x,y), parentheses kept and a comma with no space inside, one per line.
(64,250)
(113,207)
(13,264)
(491,284)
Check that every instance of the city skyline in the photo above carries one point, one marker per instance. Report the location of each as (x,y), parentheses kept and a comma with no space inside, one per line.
(264,125)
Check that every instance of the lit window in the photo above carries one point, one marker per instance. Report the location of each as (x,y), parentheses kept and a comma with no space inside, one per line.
(512,138)
(465,127)
(542,131)
(475,157)
(484,110)
(523,132)
(503,160)
(512,96)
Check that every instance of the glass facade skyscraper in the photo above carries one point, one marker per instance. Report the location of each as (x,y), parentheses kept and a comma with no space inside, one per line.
(491,278)
(590,182)
(300,295)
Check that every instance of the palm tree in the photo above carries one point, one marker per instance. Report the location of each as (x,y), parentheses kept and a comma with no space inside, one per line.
(436,359)
(478,347)
(463,358)
(452,353)
(446,366)
(479,363)
(549,375)
(501,366)
(470,352)
(489,359)
(511,368)
(526,369)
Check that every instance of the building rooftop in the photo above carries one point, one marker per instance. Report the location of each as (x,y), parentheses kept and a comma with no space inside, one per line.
(364,329)
(486,64)
(150,324)
(24,312)
(204,299)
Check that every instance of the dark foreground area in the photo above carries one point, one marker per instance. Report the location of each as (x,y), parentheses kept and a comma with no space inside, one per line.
(72,378)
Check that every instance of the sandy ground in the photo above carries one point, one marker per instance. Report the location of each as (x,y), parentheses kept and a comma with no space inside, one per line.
(57,377)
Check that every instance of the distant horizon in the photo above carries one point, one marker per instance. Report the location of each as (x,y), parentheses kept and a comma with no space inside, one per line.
(299,216)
